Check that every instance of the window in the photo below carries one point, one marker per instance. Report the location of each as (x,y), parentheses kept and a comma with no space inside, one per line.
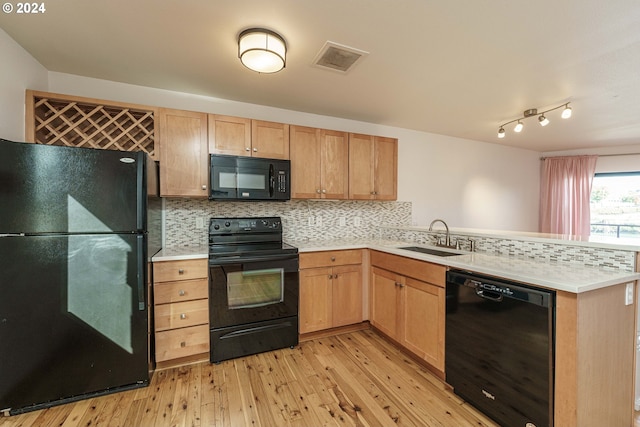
(615,205)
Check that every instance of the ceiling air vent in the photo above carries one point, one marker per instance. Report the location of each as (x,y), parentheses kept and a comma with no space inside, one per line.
(337,57)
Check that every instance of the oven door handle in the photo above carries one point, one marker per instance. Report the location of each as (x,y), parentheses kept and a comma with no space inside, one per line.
(236,259)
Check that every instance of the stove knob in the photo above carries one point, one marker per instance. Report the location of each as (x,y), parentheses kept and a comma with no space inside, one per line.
(227,224)
(265,222)
(217,227)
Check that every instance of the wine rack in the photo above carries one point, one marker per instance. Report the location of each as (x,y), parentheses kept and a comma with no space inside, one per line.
(54,119)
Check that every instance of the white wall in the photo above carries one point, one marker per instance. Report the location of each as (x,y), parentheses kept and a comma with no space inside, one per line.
(19,71)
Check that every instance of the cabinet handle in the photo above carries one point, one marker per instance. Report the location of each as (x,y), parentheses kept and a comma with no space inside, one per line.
(333,258)
(183,344)
(181,271)
(401,285)
(255,150)
(318,191)
(183,316)
(204,187)
(335,276)
(324,191)
(330,276)
(247,149)
(181,292)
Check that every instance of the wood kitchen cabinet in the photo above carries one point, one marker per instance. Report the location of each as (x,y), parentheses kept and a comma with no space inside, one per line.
(319,163)
(181,311)
(330,289)
(238,136)
(184,156)
(408,304)
(373,167)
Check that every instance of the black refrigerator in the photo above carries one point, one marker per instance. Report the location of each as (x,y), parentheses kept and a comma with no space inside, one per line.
(77,229)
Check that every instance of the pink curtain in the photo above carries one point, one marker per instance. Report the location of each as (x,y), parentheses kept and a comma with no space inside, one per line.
(565,193)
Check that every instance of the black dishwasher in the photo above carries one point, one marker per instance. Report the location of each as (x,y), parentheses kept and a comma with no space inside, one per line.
(499,347)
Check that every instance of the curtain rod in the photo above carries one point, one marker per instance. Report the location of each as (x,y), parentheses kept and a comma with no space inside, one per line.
(599,155)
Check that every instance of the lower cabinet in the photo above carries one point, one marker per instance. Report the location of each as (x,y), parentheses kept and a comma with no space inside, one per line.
(181,310)
(408,304)
(330,289)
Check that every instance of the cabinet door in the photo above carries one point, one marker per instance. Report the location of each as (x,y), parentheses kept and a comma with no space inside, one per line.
(305,162)
(335,164)
(422,321)
(184,157)
(386,168)
(269,140)
(384,305)
(229,135)
(315,296)
(347,295)
(361,170)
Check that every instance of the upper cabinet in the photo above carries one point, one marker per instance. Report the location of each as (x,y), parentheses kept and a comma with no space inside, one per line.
(319,163)
(229,135)
(245,137)
(325,164)
(269,140)
(184,165)
(373,167)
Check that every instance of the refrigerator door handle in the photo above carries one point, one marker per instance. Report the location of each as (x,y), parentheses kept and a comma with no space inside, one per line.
(12,235)
(141,273)
(141,202)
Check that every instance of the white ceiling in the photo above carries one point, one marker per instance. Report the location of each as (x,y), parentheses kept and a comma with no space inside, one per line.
(452,67)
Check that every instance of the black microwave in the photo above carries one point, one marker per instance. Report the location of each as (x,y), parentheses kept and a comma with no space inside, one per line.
(249,178)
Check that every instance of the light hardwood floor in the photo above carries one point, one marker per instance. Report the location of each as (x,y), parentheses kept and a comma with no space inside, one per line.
(353,379)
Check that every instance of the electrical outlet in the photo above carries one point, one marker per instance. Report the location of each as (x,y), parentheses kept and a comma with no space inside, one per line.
(628,295)
(342,221)
(312,221)
(199,222)
(357,222)
(318,221)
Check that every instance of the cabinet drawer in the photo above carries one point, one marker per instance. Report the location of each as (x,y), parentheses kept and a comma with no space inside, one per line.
(181,314)
(421,270)
(330,258)
(182,290)
(169,271)
(182,342)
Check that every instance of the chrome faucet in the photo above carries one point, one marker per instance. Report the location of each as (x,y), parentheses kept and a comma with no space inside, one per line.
(447,241)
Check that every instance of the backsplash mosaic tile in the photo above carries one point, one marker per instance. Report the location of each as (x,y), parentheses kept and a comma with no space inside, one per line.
(301,219)
(186,222)
(542,251)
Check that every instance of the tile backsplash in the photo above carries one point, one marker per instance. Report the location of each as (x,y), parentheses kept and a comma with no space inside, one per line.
(186,220)
(578,255)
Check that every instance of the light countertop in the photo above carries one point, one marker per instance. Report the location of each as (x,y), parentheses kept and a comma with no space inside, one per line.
(552,275)
(176,254)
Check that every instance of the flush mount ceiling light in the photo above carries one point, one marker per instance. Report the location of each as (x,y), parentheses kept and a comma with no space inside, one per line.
(262,50)
(542,119)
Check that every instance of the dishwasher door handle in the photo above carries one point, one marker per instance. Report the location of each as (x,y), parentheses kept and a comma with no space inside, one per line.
(492,296)
(483,293)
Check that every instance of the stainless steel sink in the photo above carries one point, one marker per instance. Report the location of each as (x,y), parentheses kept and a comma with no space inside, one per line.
(429,251)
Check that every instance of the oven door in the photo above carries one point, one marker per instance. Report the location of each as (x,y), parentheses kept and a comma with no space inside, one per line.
(245,290)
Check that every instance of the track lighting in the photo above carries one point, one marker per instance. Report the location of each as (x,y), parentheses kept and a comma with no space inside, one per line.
(518,127)
(542,119)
